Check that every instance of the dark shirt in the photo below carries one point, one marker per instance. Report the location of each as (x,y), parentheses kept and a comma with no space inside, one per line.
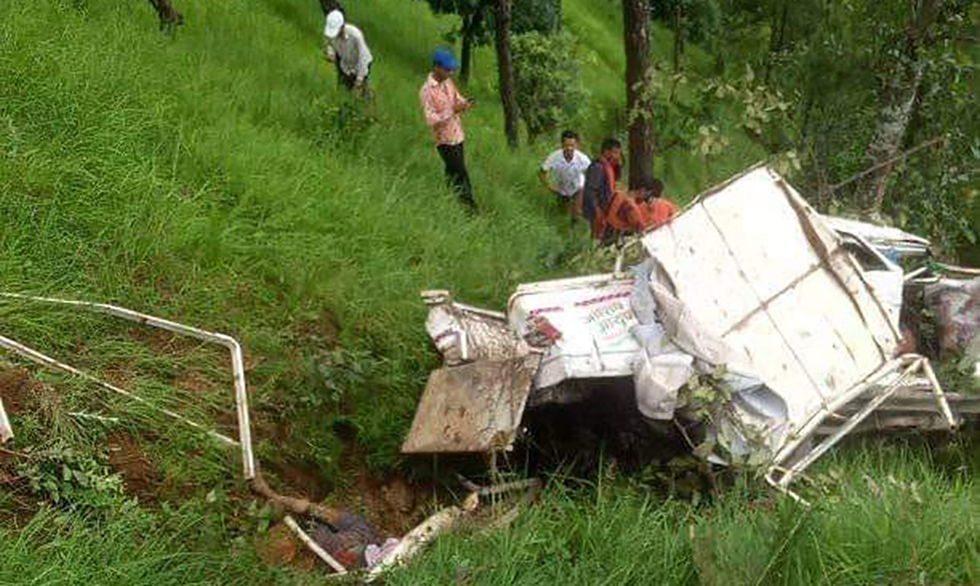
(346,539)
(597,192)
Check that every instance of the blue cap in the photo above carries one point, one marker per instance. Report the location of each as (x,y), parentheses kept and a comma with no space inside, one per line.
(443,58)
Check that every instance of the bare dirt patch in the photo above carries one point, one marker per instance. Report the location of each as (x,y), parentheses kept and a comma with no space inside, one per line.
(15,390)
(322,331)
(126,457)
(195,383)
(279,547)
(392,505)
(302,478)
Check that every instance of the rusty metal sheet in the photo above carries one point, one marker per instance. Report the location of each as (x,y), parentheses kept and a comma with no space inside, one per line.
(475,407)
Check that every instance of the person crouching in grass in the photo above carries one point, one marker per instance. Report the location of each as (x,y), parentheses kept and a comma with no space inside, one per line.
(344,45)
(563,174)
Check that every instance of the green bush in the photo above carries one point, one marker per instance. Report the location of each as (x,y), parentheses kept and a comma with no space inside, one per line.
(70,479)
(536,15)
(546,76)
(699,19)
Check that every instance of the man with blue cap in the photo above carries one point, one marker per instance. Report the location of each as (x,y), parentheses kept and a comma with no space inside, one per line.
(442,105)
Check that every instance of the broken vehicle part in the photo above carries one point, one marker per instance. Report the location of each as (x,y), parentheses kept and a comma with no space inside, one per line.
(463,333)
(495,489)
(956,304)
(747,288)
(237,365)
(781,476)
(420,536)
(912,406)
(474,407)
(592,316)
(6,431)
(35,356)
(886,278)
(889,241)
(250,470)
(788,325)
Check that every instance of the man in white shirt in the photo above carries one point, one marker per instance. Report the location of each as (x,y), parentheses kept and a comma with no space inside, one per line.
(563,173)
(344,44)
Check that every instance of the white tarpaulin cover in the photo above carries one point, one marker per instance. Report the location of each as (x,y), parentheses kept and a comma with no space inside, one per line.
(763,273)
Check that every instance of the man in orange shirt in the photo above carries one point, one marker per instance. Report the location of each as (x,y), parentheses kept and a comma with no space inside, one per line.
(442,105)
(641,210)
(655,209)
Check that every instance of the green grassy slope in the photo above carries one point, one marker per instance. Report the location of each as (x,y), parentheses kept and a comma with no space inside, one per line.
(205,178)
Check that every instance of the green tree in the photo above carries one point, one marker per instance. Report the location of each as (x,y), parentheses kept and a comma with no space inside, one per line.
(477,22)
(546,80)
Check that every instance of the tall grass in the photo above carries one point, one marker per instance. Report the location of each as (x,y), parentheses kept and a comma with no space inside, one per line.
(884,514)
(180,548)
(191,176)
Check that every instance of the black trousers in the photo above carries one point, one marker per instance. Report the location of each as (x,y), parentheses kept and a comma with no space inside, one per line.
(452,155)
(347,81)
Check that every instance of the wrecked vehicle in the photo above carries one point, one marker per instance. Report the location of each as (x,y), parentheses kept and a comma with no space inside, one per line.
(753,322)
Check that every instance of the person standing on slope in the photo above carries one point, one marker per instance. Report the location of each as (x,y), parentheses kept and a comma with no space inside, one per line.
(600,188)
(344,45)
(442,105)
(563,173)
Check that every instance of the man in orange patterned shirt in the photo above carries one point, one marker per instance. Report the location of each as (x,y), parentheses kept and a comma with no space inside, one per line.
(442,105)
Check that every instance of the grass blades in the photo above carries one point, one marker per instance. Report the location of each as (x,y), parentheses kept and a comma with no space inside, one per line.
(916,524)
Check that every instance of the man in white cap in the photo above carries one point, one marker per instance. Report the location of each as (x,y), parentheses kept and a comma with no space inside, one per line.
(344,44)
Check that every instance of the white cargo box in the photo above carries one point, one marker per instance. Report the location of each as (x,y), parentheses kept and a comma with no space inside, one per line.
(594,318)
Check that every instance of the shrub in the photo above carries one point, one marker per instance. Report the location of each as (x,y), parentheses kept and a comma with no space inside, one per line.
(699,19)
(70,479)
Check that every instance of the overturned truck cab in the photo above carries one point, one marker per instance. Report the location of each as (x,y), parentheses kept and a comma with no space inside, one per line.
(751,316)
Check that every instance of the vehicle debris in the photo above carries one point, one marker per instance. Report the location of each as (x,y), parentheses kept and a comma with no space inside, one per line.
(6,431)
(237,365)
(313,545)
(956,304)
(765,339)
(478,406)
(331,526)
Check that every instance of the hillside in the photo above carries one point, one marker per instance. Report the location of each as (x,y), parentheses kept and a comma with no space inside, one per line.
(218,178)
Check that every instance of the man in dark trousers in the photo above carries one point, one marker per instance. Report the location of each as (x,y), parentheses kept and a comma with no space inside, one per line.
(442,105)
(600,187)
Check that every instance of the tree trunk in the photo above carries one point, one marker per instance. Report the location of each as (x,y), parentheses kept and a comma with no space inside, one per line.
(471,26)
(169,18)
(678,38)
(897,97)
(636,21)
(505,71)
(776,39)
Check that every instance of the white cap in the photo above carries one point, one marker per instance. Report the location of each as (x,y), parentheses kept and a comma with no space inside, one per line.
(335,21)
